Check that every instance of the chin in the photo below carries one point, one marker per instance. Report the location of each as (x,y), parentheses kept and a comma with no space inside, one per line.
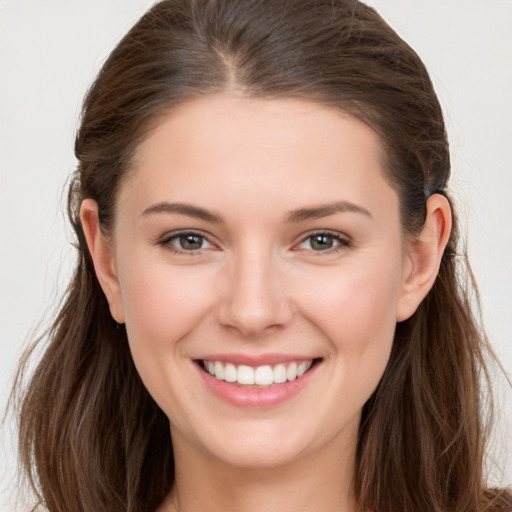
(262,455)
(267,444)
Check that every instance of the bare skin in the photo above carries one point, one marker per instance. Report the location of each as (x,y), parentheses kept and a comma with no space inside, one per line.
(293,487)
(262,229)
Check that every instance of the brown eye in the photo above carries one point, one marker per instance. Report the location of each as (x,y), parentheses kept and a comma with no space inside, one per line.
(190,242)
(323,241)
(187,242)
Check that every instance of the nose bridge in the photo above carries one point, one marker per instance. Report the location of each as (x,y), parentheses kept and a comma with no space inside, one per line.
(254,299)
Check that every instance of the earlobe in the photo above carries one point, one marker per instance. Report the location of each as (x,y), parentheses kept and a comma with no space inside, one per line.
(423,258)
(103,259)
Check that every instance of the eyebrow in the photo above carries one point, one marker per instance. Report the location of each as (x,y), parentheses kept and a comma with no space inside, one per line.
(299,215)
(183,209)
(324,210)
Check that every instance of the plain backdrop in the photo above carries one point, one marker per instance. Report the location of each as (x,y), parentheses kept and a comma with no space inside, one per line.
(49,53)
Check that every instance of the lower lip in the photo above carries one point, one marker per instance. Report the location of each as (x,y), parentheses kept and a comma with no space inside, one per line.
(256,398)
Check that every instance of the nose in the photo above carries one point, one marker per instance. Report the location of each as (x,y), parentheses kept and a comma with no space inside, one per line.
(253,299)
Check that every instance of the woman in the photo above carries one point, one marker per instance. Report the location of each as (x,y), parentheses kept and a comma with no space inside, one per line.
(266,312)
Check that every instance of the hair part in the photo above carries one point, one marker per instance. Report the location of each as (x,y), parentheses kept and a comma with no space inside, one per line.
(91,436)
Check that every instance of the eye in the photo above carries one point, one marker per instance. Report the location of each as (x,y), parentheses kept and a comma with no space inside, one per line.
(323,241)
(187,241)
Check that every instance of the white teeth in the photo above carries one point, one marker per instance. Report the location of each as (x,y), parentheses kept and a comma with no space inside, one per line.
(291,371)
(279,373)
(230,373)
(301,369)
(219,370)
(245,375)
(264,376)
(261,376)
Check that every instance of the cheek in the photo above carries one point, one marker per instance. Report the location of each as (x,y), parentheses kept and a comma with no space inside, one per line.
(355,310)
(163,303)
(162,306)
(356,305)
(357,314)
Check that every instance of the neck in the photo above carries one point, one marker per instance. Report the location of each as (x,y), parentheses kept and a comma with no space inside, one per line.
(318,481)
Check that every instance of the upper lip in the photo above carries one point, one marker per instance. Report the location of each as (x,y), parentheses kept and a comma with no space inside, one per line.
(256,360)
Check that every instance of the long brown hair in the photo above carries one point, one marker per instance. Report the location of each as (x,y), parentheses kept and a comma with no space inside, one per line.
(91,437)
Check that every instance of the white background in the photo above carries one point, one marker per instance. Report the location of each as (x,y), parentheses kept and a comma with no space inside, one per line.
(50,52)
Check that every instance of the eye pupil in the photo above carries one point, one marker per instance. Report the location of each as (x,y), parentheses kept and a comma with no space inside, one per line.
(321,242)
(191,242)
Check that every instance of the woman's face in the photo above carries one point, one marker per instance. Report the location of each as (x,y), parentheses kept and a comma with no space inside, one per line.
(257,239)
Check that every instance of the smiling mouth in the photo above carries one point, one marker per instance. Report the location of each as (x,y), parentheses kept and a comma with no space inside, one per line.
(260,376)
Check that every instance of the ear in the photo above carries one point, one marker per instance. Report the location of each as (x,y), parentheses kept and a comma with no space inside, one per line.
(102,257)
(423,256)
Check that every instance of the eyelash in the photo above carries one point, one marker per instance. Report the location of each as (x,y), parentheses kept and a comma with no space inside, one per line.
(340,240)
(167,242)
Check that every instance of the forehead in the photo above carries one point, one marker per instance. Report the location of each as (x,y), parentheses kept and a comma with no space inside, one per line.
(281,151)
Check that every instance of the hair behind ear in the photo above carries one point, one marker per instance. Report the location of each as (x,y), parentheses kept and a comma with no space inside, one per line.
(429,398)
(85,413)
(100,251)
(424,253)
